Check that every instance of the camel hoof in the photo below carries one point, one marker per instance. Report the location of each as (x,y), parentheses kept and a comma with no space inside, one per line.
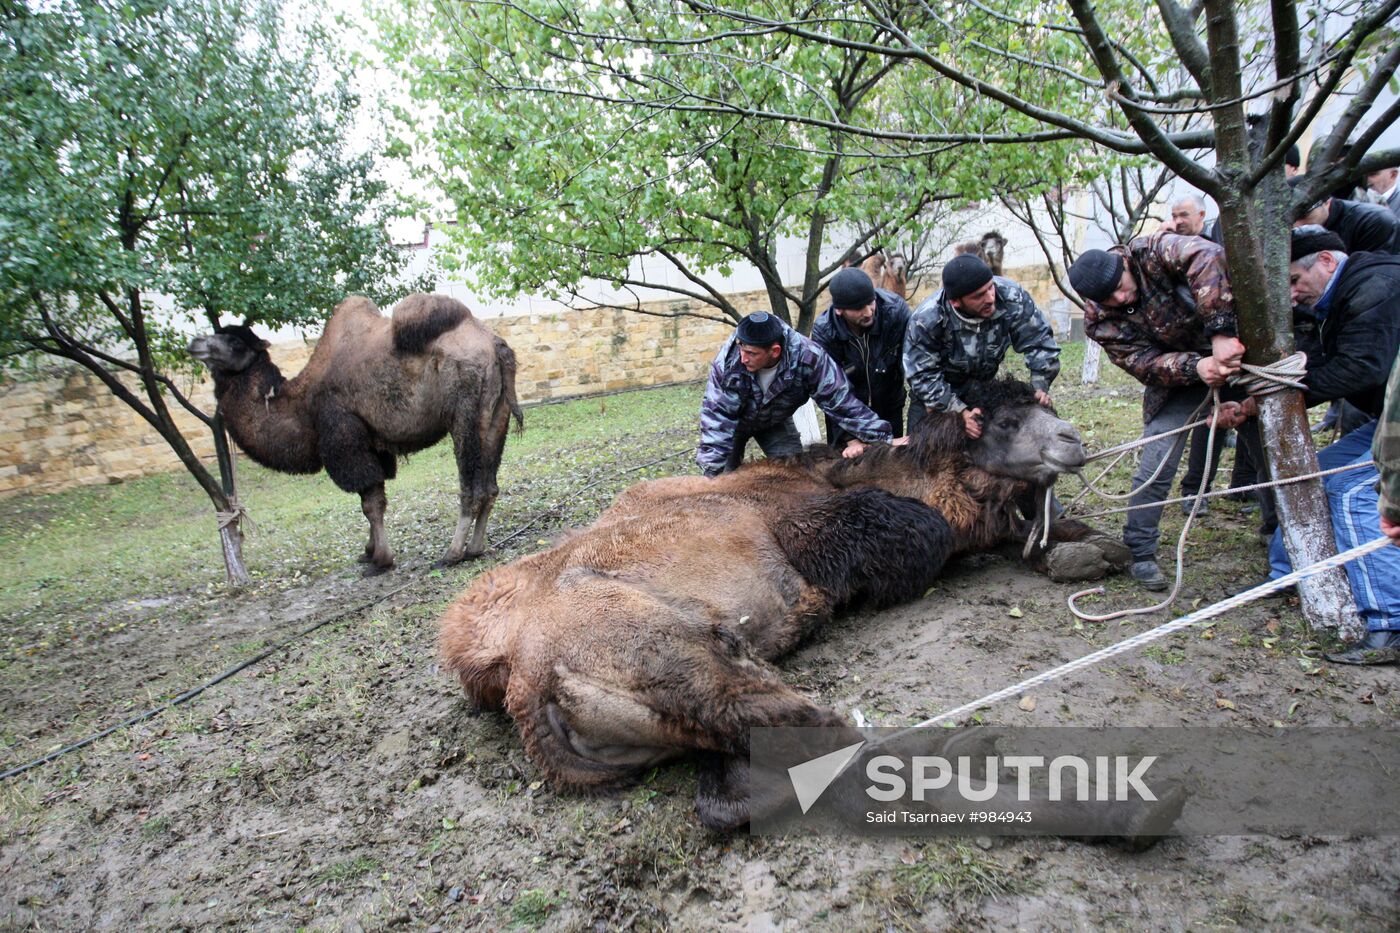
(374,570)
(1075,561)
(1115,552)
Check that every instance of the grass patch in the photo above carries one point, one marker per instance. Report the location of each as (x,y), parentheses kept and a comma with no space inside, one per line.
(532,907)
(348,870)
(155,826)
(956,874)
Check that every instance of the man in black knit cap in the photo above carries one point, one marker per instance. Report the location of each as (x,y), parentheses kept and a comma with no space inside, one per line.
(764,372)
(961,334)
(1363,228)
(863,331)
(1162,309)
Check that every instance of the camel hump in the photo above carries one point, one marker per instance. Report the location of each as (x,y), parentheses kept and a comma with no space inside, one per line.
(421,319)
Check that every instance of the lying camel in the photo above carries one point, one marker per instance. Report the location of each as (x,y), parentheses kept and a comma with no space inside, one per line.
(647,635)
(376,389)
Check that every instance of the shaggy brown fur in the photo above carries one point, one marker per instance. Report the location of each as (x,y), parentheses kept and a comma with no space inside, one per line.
(648,634)
(376,389)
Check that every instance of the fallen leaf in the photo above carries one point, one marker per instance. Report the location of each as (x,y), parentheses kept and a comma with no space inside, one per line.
(1027,703)
(1222,703)
(1369,699)
(144,756)
(1292,708)
(1271,626)
(910,857)
(1015,612)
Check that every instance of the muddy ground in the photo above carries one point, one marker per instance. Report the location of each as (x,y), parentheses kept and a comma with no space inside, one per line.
(343,784)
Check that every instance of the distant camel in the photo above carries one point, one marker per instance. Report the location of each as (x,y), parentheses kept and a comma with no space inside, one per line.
(375,390)
(888,270)
(990,247)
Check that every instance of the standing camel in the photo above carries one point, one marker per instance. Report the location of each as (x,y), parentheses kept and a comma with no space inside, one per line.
(374,390)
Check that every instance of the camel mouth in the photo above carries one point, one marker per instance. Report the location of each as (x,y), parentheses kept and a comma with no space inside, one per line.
(200,348)
(1062,465)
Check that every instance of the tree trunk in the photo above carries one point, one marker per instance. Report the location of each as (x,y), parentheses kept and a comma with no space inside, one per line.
(1090,373)
(230,526)
(1256,240)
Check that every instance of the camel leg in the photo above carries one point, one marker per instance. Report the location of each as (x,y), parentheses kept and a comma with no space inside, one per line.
(373,503)
(478,440)
(355,466)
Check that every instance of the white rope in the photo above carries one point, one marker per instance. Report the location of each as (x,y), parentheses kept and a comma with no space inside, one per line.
(1161,631)
(1233,490)
(1254,380)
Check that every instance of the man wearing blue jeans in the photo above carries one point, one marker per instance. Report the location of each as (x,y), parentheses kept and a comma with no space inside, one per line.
(1357,300)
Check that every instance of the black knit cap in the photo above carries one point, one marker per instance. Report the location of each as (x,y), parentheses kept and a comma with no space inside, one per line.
(964,274)
(1096,273)
(1310,238)
(851,288)
(1294,158)
(760,329)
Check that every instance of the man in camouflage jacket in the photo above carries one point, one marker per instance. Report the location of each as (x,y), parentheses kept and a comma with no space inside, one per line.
(764,372)
(1162,309)
(961,334)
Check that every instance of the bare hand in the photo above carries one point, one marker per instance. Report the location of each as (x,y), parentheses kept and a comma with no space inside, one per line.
(1250,407)
(900,441)
(1230,415)
(1043,398)
(971,425)
(1391,530)
(1227,351)
(1211,371)
(854,448)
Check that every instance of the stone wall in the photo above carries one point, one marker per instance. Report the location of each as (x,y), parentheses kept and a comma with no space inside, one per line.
(66,429)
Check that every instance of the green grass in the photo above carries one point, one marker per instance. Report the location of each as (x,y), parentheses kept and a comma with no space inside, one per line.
(72,553)
(532,907)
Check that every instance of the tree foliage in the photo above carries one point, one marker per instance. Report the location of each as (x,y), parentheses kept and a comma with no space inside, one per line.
(167,163)
(557,175)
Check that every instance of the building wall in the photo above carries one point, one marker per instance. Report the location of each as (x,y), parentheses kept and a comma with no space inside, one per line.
(66,429)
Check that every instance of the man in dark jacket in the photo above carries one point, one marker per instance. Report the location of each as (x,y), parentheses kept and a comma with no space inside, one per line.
(1356,298)
(962,333)
(1162,309)
(863,331)
(1364,228)
(1383,185)
(764,372)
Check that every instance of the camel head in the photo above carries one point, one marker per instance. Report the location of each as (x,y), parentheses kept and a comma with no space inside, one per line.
(1020,438)
(229,350)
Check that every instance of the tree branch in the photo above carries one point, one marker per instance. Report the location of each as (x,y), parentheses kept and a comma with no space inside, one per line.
(1118,87)
(1355,38)
(1181,29)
